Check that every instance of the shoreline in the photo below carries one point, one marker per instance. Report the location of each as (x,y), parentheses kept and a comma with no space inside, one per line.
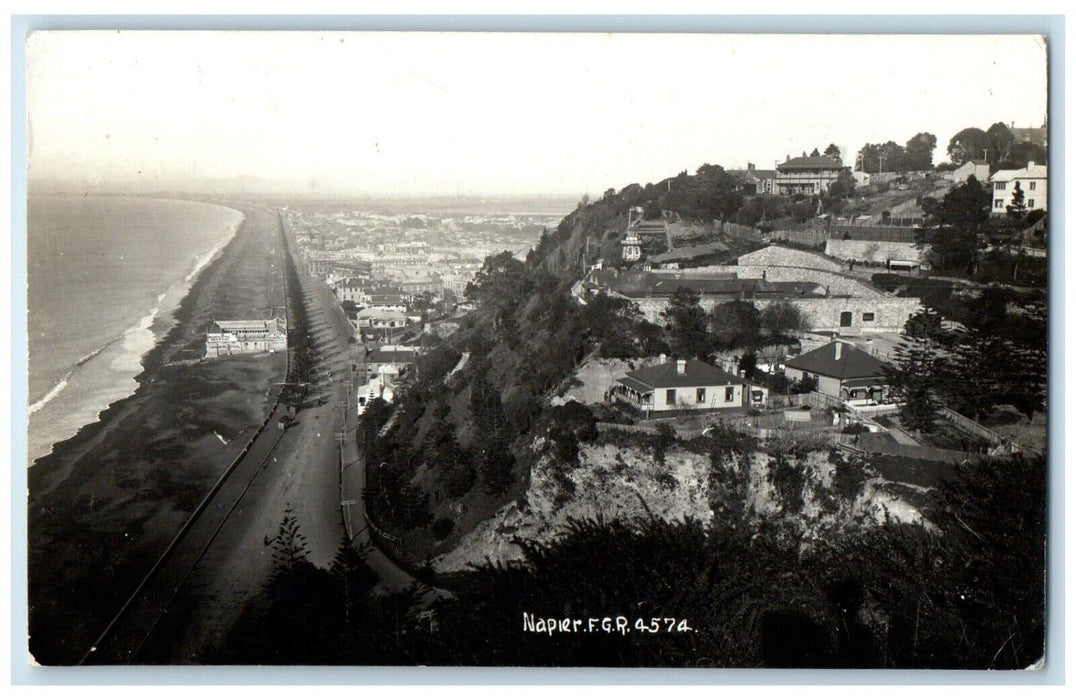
(110,497)
(157,323)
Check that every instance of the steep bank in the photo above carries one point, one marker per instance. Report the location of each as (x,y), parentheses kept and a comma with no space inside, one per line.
(620,478)
(106,501)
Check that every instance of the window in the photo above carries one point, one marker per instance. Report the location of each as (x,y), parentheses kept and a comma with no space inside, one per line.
(670,397)
(1031,185)
(1031,204)
(998,203)
(999,185)
(700,396)
(868,317)
(729,394)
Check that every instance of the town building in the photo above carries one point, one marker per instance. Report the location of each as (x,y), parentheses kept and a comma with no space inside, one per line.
(244,337)
(680,385)
(380,318)
(632,247)
(389,362)
(808,175)
(842,371)
(760,181)
(350,289)
(1032,181)
(977,167)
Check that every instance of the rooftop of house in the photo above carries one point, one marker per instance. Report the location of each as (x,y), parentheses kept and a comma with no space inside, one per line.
(380,313)
(1033,170)
(393,356)
(270,325)
(678,373)
(840,361)
(810,163)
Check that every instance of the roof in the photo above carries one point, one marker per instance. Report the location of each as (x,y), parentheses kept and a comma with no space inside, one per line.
(689,252)
(643,285)
(267,325)
(854,363)
(380,313)
(762,174)
(1032,172)
(663,376)
(809,162)
(396,356)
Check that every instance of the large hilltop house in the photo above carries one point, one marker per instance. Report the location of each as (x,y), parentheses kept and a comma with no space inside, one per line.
(842,371)
(224,338)
(681,385)
(1032,181)
(807,175)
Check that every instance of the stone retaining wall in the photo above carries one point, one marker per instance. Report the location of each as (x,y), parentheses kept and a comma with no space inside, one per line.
(873,251)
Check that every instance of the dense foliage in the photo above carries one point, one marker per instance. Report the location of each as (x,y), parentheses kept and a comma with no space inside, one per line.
(968,593)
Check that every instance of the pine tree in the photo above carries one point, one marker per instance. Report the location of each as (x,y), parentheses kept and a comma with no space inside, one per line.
(289,546)
(914,381)
(1018,208)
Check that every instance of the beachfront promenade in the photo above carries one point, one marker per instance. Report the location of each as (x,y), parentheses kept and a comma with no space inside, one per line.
(223,555)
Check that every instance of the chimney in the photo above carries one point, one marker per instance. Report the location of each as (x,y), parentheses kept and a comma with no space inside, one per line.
(1030,164)
(681,366)
(837,350)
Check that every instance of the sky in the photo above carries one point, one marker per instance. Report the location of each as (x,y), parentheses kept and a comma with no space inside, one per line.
(398,113)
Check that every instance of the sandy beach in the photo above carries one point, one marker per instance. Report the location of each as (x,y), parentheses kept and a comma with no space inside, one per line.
(107,501)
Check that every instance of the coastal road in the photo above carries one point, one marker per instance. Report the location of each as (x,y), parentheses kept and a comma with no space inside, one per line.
(303,475)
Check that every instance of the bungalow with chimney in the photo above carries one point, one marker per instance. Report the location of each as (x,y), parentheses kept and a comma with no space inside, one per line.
(843,371)
(681,385)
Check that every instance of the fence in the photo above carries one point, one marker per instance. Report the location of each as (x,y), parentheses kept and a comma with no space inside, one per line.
(815,239)
(891,234)
(969,426)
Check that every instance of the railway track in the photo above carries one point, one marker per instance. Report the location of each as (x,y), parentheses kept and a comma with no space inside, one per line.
(146,610)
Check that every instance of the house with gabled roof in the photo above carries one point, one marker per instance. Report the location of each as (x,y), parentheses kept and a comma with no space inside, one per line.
(976,166)
(843,371)
(681,385)
(1032,181)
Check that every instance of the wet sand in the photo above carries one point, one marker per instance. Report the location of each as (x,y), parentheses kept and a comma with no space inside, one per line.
(106,502)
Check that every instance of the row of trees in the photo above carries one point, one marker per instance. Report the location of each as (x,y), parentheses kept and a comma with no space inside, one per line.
(916,154)
(999,360)
(730,325)
(997,145)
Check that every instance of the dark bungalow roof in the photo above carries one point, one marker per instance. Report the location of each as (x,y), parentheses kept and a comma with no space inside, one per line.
(396,356)
(809,162)
(854,363)
(665,376)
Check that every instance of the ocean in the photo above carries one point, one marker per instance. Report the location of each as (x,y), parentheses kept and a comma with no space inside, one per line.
(105,276)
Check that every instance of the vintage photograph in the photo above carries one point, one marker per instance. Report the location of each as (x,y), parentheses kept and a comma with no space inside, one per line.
(447,349)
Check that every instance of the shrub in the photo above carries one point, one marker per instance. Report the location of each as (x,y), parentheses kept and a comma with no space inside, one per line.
(442,527)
